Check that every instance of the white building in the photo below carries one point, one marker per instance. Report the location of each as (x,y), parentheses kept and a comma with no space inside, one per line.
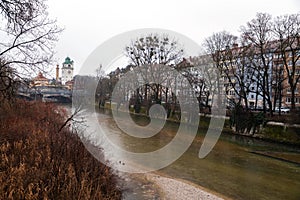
(67,70)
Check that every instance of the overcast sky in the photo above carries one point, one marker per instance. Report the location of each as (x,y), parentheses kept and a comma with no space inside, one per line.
(89,23)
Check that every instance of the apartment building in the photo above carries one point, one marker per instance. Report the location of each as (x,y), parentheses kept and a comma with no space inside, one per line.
(282,71)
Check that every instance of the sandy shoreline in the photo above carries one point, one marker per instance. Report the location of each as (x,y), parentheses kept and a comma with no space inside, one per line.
(175,189)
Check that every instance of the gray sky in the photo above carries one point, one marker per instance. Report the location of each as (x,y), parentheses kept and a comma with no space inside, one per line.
(89,23)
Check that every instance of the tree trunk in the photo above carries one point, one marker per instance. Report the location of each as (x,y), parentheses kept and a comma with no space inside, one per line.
(293,103)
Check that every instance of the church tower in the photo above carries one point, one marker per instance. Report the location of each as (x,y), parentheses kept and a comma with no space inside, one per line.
(67,70)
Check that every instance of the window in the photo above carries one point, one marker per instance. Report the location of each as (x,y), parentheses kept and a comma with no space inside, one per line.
(289,90)
(280,64)
(270,55)
(252,96)
(289,100)
(281,72)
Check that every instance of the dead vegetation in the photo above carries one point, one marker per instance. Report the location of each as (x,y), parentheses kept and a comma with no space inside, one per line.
(39,162)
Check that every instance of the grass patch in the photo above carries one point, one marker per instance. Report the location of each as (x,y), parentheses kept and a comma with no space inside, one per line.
(282,134)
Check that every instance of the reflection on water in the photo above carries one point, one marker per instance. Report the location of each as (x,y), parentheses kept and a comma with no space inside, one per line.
(235,167)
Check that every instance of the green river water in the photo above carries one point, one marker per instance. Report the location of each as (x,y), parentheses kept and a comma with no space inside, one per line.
(238,167)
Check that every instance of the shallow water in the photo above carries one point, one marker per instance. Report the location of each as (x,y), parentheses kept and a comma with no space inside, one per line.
(233,168)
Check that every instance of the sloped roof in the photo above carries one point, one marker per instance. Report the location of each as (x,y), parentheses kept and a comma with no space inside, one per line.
(40,77)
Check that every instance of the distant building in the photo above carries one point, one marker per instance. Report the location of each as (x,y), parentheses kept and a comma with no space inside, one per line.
(67,70)
(69,84)
(283,93)
(40,80)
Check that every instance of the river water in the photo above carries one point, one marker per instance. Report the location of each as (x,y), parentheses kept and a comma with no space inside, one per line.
(237,167)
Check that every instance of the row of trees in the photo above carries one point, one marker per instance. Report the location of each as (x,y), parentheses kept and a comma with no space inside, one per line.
(252,67)
(149,56)
(157,73)
(247,63)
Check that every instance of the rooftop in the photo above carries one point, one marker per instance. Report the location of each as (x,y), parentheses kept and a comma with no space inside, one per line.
(68,61)
(40,77)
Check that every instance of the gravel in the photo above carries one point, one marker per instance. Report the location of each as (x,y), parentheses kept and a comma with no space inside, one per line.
(173,189)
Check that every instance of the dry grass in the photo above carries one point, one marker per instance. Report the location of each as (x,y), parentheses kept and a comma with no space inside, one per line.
(37,162)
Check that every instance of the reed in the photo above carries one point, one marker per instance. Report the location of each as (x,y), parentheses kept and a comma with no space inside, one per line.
(38,162)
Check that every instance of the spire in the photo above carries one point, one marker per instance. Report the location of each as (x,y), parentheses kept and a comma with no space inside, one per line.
(57,72)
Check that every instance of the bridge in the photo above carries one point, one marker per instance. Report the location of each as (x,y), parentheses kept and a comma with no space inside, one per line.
(57,94)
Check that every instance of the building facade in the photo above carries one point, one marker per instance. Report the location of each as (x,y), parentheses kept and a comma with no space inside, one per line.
(282,72)
(40,80)
(67,70)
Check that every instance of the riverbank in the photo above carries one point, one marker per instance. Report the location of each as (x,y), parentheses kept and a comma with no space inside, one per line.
(42,159)
(281,133)
(177,189)
(158,186)
(230,168)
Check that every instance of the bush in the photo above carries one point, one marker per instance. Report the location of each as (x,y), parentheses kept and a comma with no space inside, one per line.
(278,133)
(38,162)
(245,121)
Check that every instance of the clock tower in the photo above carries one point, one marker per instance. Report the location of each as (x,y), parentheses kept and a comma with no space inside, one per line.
(67,70)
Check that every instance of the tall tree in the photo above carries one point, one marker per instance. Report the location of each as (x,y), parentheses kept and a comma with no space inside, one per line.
(154,49)
(228,59)
(278,81)
(258,33)
(153,52)
(287,29)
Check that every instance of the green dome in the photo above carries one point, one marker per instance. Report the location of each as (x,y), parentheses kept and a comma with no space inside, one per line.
(68,61)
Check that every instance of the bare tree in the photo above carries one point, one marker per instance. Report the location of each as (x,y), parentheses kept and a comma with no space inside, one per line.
(278,81)
(258,33)
(7,82)
(198,71)
(28,37)
(154,49)
(221,47)
(149,52)
(100,73)
(287,29)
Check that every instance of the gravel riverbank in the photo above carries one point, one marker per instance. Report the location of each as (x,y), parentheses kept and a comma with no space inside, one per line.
(172,189)
(154,186)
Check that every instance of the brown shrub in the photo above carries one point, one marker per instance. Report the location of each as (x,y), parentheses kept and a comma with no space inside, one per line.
(37,162)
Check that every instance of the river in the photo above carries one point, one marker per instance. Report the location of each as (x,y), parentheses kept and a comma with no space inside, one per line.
(237,167)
